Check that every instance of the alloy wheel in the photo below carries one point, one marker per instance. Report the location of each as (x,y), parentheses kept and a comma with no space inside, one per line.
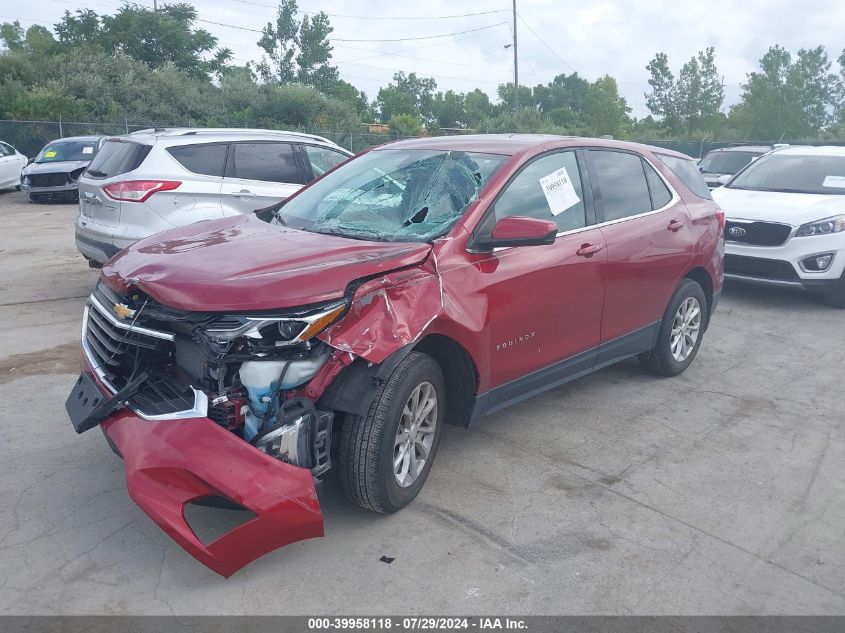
(686,328)
(415,434)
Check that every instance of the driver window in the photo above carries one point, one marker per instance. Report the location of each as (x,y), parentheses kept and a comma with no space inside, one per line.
(547,189)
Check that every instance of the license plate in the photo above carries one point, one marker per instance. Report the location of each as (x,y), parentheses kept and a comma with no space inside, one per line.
(87,406)
(87,208)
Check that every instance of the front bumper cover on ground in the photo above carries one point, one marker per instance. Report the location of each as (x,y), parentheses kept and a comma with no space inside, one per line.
(170,463)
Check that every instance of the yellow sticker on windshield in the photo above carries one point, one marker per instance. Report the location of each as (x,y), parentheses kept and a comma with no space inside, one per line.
(50,154)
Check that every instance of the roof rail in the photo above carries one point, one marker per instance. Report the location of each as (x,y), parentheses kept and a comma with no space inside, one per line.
(188,131)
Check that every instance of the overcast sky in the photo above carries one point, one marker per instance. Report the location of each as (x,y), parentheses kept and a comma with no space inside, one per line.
(617,38)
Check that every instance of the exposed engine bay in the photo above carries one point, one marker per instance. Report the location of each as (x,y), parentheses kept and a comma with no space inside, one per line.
(246,372)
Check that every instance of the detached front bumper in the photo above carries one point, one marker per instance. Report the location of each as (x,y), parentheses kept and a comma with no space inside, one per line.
(172,463)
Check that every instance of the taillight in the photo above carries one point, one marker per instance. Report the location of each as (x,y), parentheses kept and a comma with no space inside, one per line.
(720,216)
(138,190)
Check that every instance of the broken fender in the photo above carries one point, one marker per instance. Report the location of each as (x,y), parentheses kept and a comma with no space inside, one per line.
(170,463)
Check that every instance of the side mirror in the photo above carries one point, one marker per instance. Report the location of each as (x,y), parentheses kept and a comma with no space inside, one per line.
(522,231)
(30,161)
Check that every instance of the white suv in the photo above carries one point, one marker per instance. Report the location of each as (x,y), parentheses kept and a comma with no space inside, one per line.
(156,179)
(786,221)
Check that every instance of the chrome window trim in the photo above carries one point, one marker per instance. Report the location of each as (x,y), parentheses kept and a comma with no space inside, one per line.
(128,327)
(199,409)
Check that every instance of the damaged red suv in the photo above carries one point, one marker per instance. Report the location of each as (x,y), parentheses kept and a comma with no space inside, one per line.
(424,282)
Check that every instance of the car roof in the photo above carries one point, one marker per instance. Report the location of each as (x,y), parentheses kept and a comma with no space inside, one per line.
(511,144)
(75,139)
(186,133)
(811,150)
(743,148)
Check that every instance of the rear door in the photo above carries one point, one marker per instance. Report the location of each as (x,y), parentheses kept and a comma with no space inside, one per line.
(259,174)
(199,194)
(647,230)
(545,301)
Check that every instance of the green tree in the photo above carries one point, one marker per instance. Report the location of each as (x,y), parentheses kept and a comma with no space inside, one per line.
(449,109)
(788,98)
(156,38)
(298,50)
(478,107)
(693,101)
(402,125)
(407,94)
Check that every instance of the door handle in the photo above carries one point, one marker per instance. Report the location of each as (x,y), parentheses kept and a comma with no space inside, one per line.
(675,225)
(588,250)
(243,193)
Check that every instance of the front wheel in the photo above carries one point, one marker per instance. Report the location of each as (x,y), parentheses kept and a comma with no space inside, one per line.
(681,331)
(836,296)
(386,455)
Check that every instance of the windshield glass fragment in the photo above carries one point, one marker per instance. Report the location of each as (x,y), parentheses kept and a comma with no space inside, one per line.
(393,195)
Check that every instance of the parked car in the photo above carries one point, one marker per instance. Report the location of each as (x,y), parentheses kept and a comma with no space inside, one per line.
(424,282)
(786,221)
(55,171)
(719,165)
(11,163)
(157,179)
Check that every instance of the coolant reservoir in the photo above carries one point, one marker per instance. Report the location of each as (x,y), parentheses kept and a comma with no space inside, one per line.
(261,379)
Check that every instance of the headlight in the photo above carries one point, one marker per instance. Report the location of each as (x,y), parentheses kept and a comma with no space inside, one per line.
(822,227)
(275,331)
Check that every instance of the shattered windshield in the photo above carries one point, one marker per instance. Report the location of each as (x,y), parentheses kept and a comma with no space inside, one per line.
(393,195)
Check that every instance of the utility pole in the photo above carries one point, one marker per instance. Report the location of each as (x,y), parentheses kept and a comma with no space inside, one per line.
(515,64)
(155,5)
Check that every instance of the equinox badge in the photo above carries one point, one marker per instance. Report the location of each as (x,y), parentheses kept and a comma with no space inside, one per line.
(123,311)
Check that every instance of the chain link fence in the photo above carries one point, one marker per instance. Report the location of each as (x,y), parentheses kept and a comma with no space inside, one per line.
(30,136)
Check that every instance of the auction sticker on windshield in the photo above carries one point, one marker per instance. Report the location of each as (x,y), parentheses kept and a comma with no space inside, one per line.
(835,181)
(559,192)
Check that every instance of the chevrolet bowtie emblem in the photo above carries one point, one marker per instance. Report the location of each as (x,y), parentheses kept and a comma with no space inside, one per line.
(123,311)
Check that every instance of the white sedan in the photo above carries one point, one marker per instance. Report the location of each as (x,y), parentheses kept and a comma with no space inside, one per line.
(786,221)
(11,163)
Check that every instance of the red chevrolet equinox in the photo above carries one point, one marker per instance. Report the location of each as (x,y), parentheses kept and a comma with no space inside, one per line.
(424,282)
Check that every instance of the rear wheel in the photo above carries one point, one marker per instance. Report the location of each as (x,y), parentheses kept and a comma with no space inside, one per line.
(681,331)
(386,455)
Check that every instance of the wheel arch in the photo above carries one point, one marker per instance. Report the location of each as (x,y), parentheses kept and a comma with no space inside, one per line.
(459,373)
(703,279)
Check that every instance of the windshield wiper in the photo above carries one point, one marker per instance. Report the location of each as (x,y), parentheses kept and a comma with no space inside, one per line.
(352,233)
(97,173)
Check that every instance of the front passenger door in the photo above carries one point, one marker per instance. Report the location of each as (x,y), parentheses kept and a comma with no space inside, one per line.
(545,301)
(259,174)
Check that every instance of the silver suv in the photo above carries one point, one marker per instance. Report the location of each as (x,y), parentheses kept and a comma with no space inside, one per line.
(156,179)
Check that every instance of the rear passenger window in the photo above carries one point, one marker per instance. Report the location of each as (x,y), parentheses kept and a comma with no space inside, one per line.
(660,194)
(688,172)
(269,162)
(562,201)
(206,159)
(621,179)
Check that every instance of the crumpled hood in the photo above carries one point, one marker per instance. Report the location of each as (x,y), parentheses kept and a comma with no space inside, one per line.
(59,166)
(772,206)
(244,263)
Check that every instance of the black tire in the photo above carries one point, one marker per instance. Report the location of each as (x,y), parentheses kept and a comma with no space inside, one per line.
(660,359)
(17,187)
(836,297)
(365,460)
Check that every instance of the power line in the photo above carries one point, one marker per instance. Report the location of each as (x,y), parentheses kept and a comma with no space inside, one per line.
(543,42)
(379,17)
